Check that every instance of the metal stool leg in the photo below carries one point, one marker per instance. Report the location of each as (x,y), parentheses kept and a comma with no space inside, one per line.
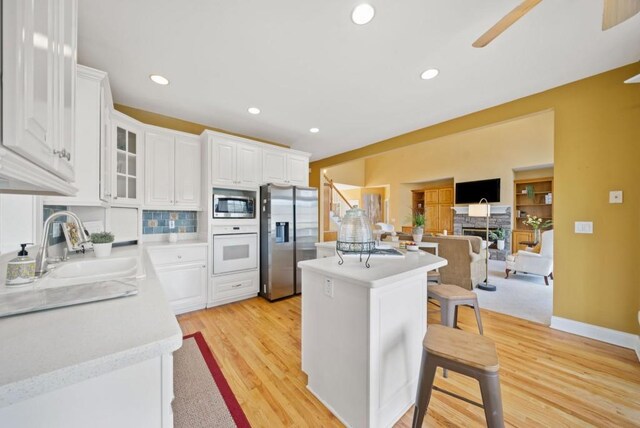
(491,399)
(476,309)
(425,384)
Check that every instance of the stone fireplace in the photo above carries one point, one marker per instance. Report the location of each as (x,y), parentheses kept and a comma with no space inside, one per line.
(476,226)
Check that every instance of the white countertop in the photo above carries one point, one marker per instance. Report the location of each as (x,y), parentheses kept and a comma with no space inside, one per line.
(382,271)
(44,351)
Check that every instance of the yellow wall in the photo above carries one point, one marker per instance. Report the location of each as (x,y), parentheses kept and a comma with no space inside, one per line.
(169,122)
(483,153)
(348,173)
(596,149)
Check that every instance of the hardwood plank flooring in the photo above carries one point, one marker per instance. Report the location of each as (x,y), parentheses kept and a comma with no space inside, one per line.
(548,378)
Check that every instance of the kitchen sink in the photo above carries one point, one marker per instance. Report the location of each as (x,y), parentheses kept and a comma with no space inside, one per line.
(93,270)
(73,283)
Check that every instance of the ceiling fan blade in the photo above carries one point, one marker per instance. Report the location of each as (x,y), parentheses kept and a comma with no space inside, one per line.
(617,11)
(508,20)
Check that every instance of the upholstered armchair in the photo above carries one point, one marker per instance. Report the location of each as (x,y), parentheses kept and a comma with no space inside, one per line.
(535,263)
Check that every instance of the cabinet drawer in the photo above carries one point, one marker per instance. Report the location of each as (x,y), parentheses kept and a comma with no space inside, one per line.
(236,284)
(164,256)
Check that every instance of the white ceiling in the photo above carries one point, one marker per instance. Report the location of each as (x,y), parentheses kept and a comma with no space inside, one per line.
(305,64)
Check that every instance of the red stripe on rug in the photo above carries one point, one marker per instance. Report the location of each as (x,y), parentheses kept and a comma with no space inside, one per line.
(223,386)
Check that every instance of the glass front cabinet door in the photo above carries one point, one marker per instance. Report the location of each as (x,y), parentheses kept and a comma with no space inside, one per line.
(126,188)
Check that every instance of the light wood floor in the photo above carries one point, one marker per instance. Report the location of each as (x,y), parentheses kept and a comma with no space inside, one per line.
(548,378)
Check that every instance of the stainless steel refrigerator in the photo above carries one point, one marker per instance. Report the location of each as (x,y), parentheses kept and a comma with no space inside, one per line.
(288,234)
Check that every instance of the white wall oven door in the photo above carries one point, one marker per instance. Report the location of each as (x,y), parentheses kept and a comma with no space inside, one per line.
(235,252)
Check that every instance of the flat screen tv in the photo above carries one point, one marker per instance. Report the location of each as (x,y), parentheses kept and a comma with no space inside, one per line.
(471,192)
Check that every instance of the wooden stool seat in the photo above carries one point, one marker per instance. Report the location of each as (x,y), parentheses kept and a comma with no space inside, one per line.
(461,346)
(462,352)
(433,276)
(451,292)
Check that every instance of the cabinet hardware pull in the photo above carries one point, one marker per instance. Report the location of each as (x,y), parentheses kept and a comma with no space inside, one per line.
(179,256)
(204,266)
(236,285)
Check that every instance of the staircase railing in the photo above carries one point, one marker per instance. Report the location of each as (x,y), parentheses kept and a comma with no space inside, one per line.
(333,188)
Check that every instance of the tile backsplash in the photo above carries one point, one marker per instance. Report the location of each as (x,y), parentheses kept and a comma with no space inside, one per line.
(155,222)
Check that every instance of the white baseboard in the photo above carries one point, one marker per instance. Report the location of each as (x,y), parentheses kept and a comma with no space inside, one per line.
(603,334)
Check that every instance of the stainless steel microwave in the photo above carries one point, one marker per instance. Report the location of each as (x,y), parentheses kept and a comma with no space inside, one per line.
(233,206)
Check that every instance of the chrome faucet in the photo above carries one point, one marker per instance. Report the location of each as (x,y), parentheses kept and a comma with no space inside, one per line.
(41,258)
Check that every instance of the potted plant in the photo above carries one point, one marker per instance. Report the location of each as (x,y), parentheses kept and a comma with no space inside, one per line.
(102,242)
(498,235)
(418,226)
(536,224)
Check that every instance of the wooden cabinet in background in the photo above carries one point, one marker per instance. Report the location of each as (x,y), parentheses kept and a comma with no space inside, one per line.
(431,196)
(445,196)
(519,236)
(436,204)
(531,197)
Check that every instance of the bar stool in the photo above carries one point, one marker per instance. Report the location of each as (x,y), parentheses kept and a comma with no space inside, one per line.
(468,354)
(450,297)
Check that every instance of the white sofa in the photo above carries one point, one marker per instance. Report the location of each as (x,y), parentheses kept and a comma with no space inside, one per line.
(535,263)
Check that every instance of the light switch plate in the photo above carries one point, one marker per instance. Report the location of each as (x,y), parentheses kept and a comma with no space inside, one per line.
(172,224)
(615,197)
(584,227)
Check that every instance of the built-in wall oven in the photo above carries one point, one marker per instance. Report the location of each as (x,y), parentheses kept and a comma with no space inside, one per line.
(235,248)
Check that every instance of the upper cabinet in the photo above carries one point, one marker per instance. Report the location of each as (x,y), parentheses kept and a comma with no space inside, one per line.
(90,105)
(127,160)
(38,98)
(172,170)
(281,166)
(234,163)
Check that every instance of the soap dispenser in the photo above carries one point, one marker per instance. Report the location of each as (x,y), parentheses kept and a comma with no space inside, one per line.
(22,269)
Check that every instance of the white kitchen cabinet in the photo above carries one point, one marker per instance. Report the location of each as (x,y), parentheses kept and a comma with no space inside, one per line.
(182,271)
(225,289)
(188,177)
(172,170)
(284,167)
(159,170)
(298,170)
(90,86)
(126,160)
(234,163)
(38,73)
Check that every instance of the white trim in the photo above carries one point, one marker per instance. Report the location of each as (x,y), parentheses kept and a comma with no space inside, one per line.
(603,334)
(495,209)
(638,347)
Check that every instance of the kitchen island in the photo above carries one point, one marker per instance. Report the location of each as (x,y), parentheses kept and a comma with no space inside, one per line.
(362,332)
(101,364)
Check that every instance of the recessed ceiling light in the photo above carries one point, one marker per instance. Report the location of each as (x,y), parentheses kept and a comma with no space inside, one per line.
(430,73)
(160,80)
(314,130)
(253,110)
(362,14)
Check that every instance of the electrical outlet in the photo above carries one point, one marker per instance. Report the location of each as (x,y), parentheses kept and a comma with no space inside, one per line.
(172,224)
(615,197)
(57,227)
(584,227)
(328,287)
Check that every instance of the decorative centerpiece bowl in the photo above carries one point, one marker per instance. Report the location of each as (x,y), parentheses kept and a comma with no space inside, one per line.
(355,236)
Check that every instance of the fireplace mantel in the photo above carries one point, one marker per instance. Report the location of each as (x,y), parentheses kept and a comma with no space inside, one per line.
(495,209)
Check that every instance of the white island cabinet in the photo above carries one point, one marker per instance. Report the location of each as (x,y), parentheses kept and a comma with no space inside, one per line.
(362,332)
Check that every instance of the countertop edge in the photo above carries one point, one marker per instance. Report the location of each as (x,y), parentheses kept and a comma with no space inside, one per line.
(41,384)
(376,283)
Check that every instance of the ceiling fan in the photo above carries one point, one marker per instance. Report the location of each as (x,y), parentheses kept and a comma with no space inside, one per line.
(615,12)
